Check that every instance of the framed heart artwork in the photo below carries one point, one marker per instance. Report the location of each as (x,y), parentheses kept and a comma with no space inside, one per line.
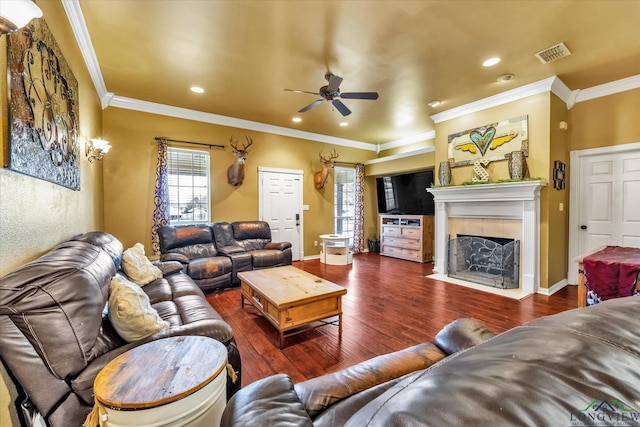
(490,142)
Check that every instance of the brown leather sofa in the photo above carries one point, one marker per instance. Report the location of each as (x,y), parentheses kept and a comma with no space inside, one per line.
(580,367)
(55,336)
(214,254)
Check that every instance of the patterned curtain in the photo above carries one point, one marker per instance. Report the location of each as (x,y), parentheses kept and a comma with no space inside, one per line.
(161,196)
(358,227)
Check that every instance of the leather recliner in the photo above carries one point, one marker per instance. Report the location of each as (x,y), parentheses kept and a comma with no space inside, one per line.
(214,254)
(194,247)
(255,238)
(55,334)
(579,367)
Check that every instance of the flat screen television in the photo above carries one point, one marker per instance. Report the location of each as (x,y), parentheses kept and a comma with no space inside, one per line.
(405,194)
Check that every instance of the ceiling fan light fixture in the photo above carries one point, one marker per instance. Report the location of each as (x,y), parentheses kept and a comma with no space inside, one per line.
(434,103)
(296,119)
(197,89)
(344,124)
(490,62)
(331,92)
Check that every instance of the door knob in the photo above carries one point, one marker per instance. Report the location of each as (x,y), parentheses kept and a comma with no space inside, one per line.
(583,227)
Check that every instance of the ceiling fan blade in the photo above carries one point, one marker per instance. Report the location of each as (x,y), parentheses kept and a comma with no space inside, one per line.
(359,95)
(334,83)
(302,91)
(341,107)
(310,106)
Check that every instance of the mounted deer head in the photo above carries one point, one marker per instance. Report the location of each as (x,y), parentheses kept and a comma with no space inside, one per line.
(235,173)
(320,177)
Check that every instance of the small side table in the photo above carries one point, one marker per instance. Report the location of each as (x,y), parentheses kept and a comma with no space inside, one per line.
(335,250)
(175,381)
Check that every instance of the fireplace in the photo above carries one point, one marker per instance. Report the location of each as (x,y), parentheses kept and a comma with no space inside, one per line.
(491,261)
(518,201)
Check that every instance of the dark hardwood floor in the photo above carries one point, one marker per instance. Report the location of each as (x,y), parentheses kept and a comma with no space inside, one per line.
(389,305)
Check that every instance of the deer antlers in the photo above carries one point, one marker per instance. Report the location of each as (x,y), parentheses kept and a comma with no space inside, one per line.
(332,155)
(320,177)
(245,147)
(235,173)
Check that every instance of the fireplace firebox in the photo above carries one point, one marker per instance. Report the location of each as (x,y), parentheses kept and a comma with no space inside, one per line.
(491,261)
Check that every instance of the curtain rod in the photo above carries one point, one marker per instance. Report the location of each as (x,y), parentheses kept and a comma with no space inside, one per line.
(345,163)
(158,138)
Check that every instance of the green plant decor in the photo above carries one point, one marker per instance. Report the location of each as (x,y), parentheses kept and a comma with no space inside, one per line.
(497,181)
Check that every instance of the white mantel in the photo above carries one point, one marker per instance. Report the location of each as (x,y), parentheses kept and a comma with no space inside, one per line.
(509,200)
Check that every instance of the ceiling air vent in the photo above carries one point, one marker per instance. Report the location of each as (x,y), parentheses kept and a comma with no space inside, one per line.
(552,53)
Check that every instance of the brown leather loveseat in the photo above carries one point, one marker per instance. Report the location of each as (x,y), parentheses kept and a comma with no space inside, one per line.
(580,367)
(214,254)
(55,334)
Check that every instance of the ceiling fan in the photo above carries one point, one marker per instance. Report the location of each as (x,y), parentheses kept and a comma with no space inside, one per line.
(331,92)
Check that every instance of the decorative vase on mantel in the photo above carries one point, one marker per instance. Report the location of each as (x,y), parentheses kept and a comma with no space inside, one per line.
(517,165)
(444,173)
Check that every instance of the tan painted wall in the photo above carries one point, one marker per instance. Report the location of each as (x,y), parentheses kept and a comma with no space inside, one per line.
(407,148)
(406,164)
(601,122)
(129,174)
(537,108)
(35,215)
(557,224)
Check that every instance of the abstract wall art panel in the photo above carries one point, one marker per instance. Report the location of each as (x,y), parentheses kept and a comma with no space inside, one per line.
(43,108)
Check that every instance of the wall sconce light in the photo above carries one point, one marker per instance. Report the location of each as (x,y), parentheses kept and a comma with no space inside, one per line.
(96,148)
(15,14)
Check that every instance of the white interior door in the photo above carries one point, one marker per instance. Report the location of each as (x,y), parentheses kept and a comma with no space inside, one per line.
(606,200)
(281,206)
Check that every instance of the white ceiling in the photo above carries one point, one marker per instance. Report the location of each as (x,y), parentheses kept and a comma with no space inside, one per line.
(244,53)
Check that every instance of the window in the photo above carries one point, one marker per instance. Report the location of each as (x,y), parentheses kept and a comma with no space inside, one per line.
(344,199)
(389,194)
(188,185)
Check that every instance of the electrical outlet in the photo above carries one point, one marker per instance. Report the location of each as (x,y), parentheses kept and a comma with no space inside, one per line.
(315,243)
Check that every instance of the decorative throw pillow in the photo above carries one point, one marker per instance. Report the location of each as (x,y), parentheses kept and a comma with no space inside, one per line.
(138,267)
(130,311)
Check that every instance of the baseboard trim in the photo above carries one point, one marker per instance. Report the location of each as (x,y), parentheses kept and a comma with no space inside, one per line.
(554,288)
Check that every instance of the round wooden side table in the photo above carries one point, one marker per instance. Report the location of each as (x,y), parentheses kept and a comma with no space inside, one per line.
(335,249)
(175,381)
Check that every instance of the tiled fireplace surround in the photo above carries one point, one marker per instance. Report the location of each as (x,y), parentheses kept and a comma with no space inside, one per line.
(510,210)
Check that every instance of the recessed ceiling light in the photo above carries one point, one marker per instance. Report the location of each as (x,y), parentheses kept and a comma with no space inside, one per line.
(505,77)
(343,124)
(297,119)
(197,89)
(434,104)
(491,61)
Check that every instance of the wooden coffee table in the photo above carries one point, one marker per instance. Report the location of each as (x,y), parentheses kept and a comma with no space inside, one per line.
(292,299)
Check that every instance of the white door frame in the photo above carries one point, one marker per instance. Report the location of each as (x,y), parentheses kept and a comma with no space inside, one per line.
(298,172)
(574,204)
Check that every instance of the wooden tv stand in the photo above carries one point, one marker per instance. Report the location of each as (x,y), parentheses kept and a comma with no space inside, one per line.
(408,237)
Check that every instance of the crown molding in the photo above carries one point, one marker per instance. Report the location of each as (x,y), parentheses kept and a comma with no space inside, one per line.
(400,156)
(80,31)
(184,113)
(553,84)
(496,100)
(560,89)
(408,140)
(606,89)
(106,99)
